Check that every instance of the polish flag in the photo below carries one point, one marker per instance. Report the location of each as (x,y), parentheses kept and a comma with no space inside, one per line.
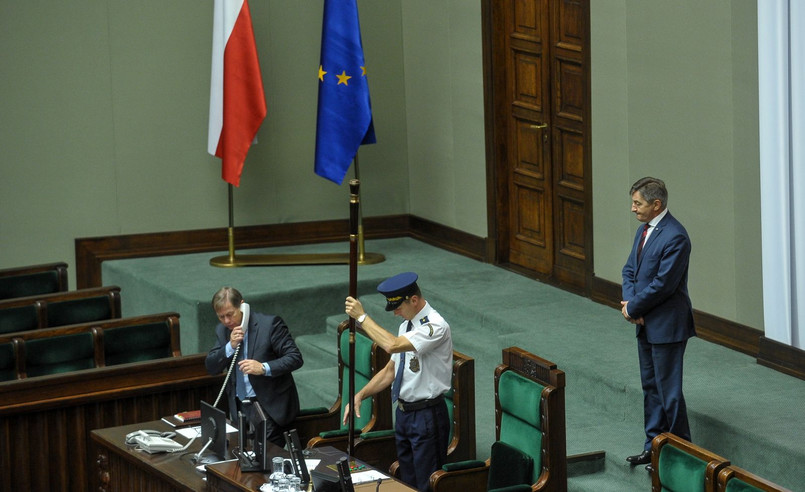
(237,102)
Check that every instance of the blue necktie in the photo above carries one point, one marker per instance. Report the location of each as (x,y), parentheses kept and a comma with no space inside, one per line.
(395,390)
(239,382)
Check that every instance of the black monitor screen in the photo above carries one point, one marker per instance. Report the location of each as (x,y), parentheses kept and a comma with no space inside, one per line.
(213,427)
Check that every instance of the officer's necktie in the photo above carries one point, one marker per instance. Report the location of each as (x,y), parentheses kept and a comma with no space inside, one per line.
(395,390)
(642,241)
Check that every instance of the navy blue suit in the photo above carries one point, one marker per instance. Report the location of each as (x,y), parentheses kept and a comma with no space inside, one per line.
(655,286)
(271,342)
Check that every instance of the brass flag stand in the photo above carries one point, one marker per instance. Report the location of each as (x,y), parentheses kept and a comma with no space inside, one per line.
(234,260)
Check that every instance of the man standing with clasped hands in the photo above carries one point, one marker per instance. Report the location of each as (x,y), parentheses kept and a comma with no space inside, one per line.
(656,301)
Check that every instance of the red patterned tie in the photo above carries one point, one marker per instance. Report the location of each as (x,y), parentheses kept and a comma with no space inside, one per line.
(642,241)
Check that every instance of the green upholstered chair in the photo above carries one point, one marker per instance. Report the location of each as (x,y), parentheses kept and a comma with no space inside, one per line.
(734,479)
(322,426)
(33,280)
(19,318)
(80,310)
(9,370)
(530,451)
(681,466)
(57,354)
(380,447)
(139,339)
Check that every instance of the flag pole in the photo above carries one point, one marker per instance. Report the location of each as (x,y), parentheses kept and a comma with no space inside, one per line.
(231,230)
(361,248)
(354,207)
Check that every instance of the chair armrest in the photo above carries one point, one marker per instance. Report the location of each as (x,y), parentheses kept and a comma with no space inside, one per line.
(377,448)
(466,476)
(339,441)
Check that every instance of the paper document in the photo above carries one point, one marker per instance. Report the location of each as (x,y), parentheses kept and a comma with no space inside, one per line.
(368,476)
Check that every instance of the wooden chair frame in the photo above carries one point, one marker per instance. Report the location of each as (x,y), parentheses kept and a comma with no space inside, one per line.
(553,474)
(714,462)
(310,424)
(731,471)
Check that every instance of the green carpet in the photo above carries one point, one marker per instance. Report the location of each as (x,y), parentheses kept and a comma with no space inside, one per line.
(745,412)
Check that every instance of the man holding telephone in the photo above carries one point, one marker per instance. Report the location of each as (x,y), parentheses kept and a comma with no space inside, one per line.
(265,355)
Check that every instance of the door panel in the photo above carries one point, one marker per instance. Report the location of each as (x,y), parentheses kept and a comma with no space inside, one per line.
(540,100)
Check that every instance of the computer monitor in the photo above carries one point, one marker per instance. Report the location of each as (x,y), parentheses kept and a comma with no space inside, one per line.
(253,432)
(213,434)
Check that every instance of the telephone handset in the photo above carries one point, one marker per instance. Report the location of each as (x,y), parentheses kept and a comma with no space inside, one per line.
(244,323)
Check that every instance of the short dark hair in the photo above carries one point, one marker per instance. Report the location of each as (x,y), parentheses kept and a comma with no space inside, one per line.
(224,295)
(651,189)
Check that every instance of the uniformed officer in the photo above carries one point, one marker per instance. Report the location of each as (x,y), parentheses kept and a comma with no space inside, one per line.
(420,369)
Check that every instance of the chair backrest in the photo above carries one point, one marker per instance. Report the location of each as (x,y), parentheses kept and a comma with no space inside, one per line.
(530,414)
(734,479)
(8,361)
(57,354)
(19,318)
(683,466)
(137,341)
(461,409)
(369,359)
(33,280)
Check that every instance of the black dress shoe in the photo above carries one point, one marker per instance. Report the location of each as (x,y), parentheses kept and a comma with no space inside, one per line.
(649,468)
(640,459)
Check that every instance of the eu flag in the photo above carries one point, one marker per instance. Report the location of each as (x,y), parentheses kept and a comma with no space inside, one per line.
(344,120)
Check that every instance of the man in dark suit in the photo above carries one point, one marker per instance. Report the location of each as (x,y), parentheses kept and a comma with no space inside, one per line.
(264,362)
(656,301)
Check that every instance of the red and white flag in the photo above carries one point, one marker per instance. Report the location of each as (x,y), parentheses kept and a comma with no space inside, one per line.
(237,101)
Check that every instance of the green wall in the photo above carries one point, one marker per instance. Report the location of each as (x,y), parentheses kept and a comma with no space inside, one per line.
(104,105)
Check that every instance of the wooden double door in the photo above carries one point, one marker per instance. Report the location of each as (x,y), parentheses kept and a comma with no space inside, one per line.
(538,93)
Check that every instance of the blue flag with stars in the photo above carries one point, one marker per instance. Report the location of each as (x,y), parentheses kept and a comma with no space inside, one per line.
(344,120)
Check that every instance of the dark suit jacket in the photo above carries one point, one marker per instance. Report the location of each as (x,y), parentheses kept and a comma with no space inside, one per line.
(656,286)
(269,341)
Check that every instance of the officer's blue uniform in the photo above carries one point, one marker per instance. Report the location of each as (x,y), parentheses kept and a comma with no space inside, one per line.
(422,377)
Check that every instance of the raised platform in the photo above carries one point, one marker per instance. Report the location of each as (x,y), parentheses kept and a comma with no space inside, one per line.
(743,411)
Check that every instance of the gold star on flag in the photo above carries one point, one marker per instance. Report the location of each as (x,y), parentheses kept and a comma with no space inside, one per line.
(321,73)
(363,70)
(343,78)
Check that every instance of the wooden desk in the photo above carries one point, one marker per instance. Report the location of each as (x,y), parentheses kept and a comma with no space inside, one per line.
(121,468)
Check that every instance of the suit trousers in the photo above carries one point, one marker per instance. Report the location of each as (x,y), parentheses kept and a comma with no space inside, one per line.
(664,408)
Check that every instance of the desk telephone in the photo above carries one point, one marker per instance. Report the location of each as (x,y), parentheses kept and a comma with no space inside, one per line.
(154,441)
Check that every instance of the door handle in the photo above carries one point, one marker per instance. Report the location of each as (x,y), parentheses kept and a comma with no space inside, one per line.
(538,126)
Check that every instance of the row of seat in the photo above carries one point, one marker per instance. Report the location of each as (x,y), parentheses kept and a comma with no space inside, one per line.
(46,351)
(31,280)
(59,309)
(683,466)
(529,421)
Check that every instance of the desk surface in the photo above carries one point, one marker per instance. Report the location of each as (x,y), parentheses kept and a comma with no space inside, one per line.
(176,471)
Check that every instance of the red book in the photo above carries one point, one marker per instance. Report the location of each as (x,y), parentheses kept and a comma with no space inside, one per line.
(188,416)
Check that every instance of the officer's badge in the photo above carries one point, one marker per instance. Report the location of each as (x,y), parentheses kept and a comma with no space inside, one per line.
(423,320)
(414,364)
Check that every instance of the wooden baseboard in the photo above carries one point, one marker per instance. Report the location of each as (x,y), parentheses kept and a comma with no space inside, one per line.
(91,252)
(708,327)
(781,357)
